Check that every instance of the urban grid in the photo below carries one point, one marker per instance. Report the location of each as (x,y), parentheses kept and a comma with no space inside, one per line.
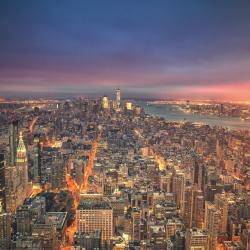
(102,174)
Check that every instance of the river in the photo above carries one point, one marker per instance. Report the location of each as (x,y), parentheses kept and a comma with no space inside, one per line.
(171,113)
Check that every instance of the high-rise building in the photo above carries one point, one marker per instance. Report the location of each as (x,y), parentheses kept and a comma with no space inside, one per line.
(2,183)
(198,209)
(22,167)
(196,240)
(5,231)
(88,241)
(57,173)
(13,142)
(179,184)
(78,167)
(95,213)
(23,220)
(36,159)
(118,99)
(136,220)
(196,172)
(188,207)
(45,233)
(172,226)
(199,174)
(157,235)
(212,224)
(11,189)
(16,179)
(221,204)
(165,182)
(246,238)
(129,106)
(105,103)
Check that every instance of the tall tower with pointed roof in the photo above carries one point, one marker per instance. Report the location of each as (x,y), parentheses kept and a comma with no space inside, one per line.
(22,165)
(21,157)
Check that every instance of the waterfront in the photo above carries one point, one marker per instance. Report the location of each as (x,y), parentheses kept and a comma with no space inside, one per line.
(172,113)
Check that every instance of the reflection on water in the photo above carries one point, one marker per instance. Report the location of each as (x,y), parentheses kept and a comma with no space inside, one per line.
(172,113)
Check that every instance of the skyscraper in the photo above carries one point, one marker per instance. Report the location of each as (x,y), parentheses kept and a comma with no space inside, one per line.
(188,207)
(212,223)
(13,141)
(198,209)
(129,106)
(199,173)
(10,188)
(118,99)
(36,157)
(179,184)
(2,183)
(136,220)
(95,213)
(88,241)
(221,204)
(57,173)
(23,218)
(5,231)
(105,102)
(16,179)
(22,166)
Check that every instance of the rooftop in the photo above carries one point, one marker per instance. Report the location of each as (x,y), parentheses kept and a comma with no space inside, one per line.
(94,203)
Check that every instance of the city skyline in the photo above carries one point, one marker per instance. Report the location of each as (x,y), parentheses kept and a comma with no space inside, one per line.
(197,50)
(119,174)
(124,125)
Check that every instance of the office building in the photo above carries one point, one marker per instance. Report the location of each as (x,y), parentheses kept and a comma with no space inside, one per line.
(221,204)
(23,220)
(36,160)
(198,210)
(129,106)
(2,183)
(196,240)
(22,169)
(188,207)
(118,99)
(57,173)
(105,103)
(95,213)
(212,224)
(88,241)
(5,231)
(46,234)
(27,243)
(11,189)
(172,226)
(179,183)
(13,142)
(136,221)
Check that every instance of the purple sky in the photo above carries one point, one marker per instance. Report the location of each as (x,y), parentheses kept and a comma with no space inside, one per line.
(184,49)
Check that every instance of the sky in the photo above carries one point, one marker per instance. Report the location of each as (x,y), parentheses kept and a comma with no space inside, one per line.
(156,49)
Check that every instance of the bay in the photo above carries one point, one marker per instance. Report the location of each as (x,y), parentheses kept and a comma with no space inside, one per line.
(171,113)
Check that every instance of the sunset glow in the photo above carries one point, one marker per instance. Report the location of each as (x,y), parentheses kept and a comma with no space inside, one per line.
(159,51)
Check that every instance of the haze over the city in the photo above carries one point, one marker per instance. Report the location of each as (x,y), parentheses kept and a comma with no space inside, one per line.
(124,125)
(163,49)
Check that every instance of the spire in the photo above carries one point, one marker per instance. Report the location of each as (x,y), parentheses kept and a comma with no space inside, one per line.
(21,150)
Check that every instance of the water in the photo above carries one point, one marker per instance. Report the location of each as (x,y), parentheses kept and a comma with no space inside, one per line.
(172,113)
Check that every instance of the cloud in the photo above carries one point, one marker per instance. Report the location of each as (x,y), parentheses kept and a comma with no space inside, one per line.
(148,47)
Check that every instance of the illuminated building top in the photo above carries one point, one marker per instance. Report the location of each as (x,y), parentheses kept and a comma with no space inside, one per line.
(105,102)
(118,98)
(21,150)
